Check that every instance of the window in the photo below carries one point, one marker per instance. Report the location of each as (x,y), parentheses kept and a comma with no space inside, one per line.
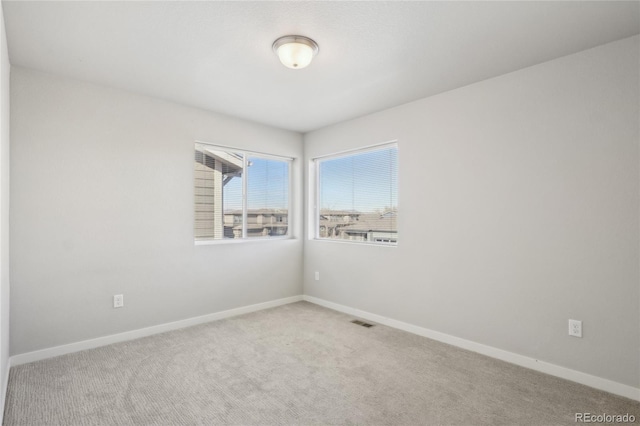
(357,196)
(239,194)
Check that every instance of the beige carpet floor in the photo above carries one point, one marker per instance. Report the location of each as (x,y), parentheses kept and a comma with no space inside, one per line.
(296,364)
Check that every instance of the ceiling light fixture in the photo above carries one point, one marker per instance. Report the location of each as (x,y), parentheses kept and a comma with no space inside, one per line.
(295,51)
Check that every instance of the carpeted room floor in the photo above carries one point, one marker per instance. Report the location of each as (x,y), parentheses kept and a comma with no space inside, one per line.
(295,364)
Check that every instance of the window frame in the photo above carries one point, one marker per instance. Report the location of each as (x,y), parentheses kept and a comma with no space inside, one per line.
(314,191)
(246,154)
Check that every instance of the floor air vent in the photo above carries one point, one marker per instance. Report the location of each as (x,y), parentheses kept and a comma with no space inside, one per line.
(362,323)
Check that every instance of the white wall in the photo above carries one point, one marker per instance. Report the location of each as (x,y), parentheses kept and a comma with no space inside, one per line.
(518,210)
(102,204)
(519,204)
(5,69)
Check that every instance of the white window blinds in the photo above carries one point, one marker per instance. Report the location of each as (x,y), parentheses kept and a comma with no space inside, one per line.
(239,194)
(357,196)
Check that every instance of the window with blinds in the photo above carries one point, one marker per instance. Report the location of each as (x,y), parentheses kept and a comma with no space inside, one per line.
(357,196)
(239,195)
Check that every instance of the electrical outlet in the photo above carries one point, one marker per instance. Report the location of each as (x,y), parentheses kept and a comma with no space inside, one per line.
(118,301)
(575,328)
(317,276)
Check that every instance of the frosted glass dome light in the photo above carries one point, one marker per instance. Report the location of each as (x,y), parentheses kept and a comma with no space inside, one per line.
(295,51)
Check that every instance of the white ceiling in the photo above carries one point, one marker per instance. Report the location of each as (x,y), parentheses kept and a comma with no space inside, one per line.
(373,55)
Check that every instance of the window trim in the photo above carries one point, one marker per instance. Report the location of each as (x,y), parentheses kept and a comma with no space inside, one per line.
(313,228)
(245,238)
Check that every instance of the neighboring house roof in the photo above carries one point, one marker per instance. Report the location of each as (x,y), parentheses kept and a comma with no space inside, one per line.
(372,223)
(262,226)
(258,211)
(327,212)
(231,163)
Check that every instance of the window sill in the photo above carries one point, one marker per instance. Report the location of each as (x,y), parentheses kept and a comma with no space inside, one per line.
(240,240)
(353,243)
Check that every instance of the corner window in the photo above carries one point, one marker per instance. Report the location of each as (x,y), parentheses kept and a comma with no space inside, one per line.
(357,196)
(239,194)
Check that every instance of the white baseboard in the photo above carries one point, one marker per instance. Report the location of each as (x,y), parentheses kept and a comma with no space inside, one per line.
(143,332)
(5,386)
(513,358)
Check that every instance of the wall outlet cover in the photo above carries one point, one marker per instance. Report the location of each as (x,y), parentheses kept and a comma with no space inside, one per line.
(118,301)
(575,328)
